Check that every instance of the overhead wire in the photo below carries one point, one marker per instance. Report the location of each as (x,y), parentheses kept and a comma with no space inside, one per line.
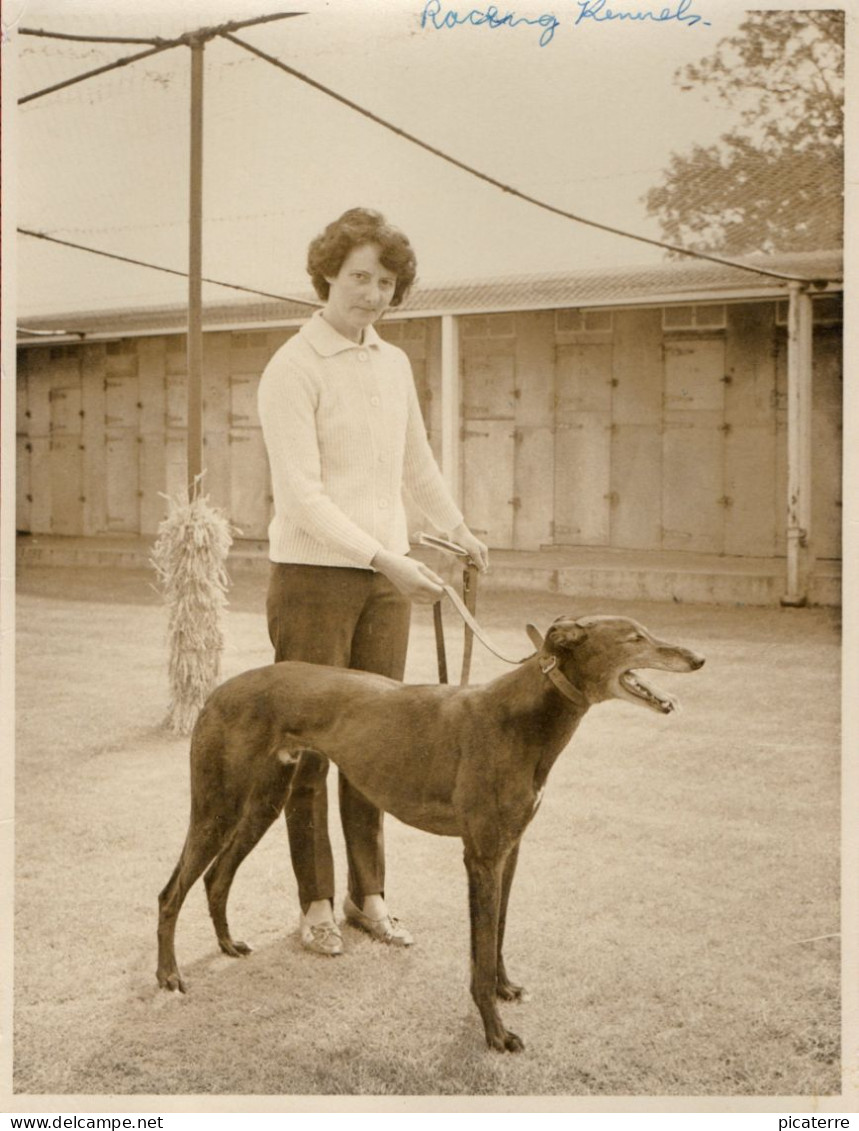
(506,188)
(124,62)
(158,45)
(225,31)
(165,270)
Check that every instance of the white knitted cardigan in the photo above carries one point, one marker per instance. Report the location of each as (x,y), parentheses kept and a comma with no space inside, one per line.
(345,440)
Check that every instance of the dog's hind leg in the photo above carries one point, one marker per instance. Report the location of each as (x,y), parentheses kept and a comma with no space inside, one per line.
(261,807)
(503,986)
(201,844)
(484,899)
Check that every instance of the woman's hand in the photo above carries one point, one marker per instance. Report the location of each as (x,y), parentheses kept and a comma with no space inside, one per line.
(413,579)
(477,550)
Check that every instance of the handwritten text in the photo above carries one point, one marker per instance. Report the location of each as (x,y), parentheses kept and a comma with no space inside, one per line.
(491,17)
(599,12)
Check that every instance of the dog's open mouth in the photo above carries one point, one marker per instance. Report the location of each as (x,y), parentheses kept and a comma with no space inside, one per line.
(635,685)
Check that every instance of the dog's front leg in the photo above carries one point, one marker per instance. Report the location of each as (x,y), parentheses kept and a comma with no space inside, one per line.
(504,987)
(484,901)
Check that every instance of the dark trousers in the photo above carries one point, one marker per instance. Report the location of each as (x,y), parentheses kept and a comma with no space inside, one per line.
(348,618)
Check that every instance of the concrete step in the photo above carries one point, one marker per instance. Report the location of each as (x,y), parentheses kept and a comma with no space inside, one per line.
(576,571)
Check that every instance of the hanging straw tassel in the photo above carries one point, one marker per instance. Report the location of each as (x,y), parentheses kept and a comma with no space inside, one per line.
(189,557)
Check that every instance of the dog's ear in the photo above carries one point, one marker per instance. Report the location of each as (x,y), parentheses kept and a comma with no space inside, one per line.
(564,634)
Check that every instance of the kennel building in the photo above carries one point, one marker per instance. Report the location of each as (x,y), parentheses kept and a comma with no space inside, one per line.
(627,410)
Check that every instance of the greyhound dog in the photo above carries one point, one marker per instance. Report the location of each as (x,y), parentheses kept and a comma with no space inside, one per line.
(469,762)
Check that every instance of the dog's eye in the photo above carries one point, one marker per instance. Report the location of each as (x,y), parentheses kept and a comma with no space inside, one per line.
(636,636)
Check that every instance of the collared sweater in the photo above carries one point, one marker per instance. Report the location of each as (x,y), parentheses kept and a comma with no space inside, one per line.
(345,439)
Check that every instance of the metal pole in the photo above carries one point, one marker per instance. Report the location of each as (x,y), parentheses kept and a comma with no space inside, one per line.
(195,272)
(450,394)
(799,447)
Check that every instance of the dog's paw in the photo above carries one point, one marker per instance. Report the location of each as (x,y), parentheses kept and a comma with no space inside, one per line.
(506,991)
(234,949)
(172,982)
(505,1041)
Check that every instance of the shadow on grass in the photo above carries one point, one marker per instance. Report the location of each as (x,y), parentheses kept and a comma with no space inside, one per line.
(278,1023)
(658,917)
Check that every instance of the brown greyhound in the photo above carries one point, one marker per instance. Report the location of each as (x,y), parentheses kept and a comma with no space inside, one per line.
(466,761)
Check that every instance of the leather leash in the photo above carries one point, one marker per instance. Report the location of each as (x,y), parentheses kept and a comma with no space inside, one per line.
(466,606)
(469,599)
(440,653)
(473,627)
(466,609)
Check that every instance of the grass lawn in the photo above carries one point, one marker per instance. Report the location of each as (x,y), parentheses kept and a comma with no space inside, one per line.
(675,914)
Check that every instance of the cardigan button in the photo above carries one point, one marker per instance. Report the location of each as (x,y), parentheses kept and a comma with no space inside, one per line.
(374,401)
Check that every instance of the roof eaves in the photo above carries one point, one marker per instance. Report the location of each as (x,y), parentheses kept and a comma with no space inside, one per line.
(636,287)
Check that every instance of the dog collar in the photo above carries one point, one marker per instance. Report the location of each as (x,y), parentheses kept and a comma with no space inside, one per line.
(549,667)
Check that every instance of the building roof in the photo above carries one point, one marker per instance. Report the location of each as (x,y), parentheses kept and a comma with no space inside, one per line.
(660,284)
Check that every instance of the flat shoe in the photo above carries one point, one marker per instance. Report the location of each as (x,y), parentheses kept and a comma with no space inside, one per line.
(321,938)
(387,929)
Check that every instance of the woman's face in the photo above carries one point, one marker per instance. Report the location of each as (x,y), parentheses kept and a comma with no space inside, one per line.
(360,293)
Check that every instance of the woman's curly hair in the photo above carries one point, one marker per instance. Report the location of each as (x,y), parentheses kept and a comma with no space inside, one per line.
(359,226)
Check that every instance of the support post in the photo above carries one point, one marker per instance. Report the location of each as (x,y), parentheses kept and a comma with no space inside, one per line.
(195,272)
(800,557)
(450,410)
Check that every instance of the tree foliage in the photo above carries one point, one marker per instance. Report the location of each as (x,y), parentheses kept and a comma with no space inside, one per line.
(775,181)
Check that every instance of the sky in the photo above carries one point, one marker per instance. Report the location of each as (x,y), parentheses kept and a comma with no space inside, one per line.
(587,122)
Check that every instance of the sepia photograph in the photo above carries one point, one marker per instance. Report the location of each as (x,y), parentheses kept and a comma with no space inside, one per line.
(426,535)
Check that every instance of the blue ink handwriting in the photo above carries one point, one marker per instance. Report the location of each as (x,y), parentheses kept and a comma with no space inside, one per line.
(596,10)
(490,17)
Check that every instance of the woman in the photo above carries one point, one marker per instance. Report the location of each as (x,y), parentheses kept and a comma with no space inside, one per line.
(345,439)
